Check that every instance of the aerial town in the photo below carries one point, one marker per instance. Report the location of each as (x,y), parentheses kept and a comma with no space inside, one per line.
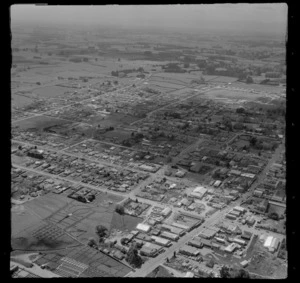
(147,154)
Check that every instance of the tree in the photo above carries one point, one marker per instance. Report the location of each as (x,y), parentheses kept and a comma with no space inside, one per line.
(133,257)
(274,216)
(120,209)
(123,241)
(101,231)
(92,242)
(249,80)
(169,159)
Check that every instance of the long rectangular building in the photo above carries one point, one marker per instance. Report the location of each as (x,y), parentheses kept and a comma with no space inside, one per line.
(172,229)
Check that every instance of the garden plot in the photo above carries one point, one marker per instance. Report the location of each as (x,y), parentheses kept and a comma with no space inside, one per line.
(42,236)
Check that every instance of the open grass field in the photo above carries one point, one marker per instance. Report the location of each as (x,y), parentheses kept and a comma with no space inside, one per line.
(231,94)
(20,101)
(41,122)
(50,91)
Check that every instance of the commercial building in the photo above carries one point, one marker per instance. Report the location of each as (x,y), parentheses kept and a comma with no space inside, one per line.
(161,241)
(196,244)
(188,250)
(172,229)
(169,236)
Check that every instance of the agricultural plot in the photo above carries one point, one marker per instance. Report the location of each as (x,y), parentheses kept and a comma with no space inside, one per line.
(222,79)
(231,94)
(42,236)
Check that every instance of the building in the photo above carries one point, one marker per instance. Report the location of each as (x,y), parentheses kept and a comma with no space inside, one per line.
(189,274)
(244,263)
(143,227)
(208,233)
(169,236)
(161,241)
(246,235)
(239,209)
(230,216)
(196,244)
(239,241)
(188,250)
(149,249)
(231,248)
(166,211)
(172,229)
(181,226)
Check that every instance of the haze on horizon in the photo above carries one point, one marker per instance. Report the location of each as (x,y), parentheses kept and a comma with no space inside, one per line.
(261,18)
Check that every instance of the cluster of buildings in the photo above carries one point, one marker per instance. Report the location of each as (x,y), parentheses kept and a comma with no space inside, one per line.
(161,190)
(84,171)
(116,155)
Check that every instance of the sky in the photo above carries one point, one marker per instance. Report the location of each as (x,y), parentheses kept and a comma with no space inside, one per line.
(252,17)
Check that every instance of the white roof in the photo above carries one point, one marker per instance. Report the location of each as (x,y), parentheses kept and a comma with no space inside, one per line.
(166,210)
(200,190)
(268,241)
(143,227)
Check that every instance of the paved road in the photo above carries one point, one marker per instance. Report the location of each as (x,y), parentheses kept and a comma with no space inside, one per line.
(154,262)
(214,219)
